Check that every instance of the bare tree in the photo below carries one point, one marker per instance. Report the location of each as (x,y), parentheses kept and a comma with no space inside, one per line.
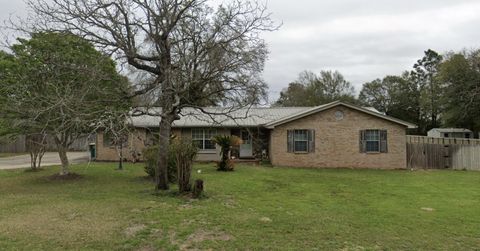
(116,124)
(195,54)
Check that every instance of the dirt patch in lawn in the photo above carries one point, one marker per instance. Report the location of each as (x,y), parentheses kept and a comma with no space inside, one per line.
(133,230)
(63,221)
(428,209)
(265,220)
(201,236)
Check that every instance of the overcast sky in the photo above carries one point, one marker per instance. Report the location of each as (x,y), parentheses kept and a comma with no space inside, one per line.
(363,40)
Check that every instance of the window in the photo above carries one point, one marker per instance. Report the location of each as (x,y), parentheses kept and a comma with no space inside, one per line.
(301,141)
(202,138)
(445,135)
(373,141)
(372,138)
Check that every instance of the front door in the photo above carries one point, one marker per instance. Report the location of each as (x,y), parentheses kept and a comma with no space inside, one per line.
(246,148)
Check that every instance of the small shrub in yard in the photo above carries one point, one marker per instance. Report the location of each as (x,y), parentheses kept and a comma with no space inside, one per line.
(225,165)
(151,158)
(226,142)
(184,153)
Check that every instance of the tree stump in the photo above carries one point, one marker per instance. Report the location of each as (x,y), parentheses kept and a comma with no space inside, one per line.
(198,188)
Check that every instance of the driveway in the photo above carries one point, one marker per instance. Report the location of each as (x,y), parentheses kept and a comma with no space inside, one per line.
(49,159)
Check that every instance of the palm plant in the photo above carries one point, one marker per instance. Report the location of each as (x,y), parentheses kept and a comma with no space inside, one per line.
(226,142)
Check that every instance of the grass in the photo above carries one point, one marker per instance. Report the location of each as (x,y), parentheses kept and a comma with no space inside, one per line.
(253,208)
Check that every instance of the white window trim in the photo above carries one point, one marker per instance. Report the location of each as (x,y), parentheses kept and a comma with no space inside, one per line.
(378,140)
(294,141)
(203,139)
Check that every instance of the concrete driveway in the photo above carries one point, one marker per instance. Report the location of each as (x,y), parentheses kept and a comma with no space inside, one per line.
(49,159)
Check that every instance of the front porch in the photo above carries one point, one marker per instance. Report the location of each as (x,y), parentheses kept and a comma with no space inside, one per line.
(254,147)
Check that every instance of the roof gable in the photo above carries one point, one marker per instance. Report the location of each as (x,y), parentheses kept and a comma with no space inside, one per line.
(321,108)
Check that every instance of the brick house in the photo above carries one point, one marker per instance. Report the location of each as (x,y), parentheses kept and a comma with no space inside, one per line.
(331,135)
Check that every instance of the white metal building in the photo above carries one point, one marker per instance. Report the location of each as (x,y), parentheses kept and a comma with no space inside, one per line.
(450,133)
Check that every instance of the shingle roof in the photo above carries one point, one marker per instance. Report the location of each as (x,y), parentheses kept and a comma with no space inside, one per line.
(246,117)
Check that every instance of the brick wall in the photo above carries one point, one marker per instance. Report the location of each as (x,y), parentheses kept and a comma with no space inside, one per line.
(136,142)
(205,155)
(337,142)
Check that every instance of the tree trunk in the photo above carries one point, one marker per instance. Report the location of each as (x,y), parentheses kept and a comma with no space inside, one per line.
(198,188)
(35,145)
(33,160)
(184,170)
(62,148)
(161,173)
(120,162)
(40,156)
(62,152)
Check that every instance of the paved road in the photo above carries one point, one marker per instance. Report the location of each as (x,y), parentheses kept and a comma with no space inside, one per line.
(49,159)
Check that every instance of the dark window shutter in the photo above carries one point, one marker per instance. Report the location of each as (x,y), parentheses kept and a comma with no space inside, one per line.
(362,142)
(383,141)
(311,141)
(290,141)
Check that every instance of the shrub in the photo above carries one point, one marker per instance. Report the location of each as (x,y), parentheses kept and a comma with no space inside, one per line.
(184,153)
(226,142)
(181,155)
(151,158)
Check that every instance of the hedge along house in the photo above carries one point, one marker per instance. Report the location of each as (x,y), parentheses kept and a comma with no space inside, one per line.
(331,135)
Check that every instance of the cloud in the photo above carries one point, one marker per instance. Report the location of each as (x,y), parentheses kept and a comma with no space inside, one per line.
(368,42)
(364,40)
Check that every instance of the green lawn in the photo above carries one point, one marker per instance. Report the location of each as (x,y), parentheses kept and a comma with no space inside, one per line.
(253,208)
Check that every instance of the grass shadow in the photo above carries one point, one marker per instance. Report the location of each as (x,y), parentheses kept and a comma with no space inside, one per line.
(65,177)
(36,170)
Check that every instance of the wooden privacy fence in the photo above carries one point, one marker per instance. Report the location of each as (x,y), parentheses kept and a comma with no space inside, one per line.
(19,145)
(441,153)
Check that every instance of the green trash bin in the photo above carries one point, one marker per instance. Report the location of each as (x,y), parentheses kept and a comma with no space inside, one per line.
(93,152)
